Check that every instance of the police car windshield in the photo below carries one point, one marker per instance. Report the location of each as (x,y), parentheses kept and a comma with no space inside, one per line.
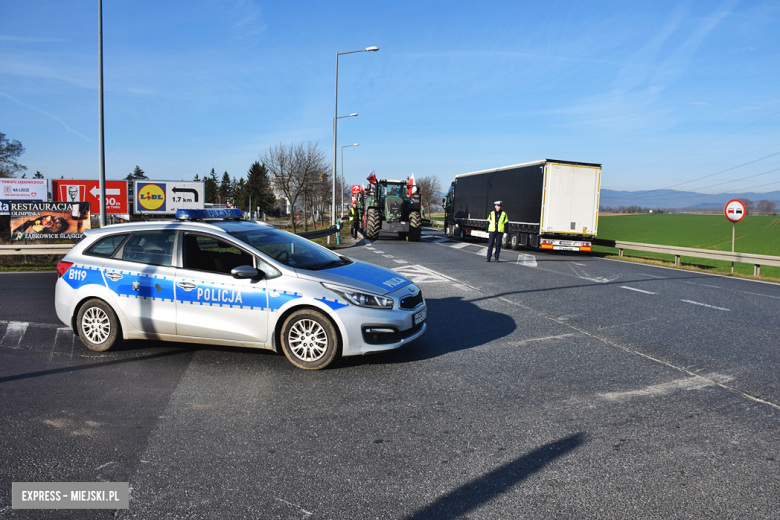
(290,250)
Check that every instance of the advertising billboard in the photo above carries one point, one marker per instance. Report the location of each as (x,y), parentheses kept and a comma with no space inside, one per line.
(23,189)
(165,197)
(89,191)
(49,220)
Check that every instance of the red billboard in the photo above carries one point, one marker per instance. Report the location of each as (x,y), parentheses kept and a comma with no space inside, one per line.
(89,191)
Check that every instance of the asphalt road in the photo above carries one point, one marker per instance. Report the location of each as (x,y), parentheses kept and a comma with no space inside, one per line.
(547,386)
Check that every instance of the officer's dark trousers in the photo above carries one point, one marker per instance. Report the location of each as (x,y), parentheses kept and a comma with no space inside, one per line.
(354,229)
(495,236)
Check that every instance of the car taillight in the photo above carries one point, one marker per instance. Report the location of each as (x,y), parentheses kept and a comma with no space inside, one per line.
(63,266)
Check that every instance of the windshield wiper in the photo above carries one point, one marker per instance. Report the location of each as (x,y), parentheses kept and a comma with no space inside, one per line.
(332,263)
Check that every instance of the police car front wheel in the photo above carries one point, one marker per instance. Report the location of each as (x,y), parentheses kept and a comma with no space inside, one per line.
(98,326)
(309,339)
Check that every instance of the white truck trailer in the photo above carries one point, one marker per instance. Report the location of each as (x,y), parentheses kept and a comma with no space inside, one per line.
(550,204)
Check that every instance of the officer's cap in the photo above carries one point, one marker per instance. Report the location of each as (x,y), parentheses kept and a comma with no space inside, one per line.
(497,203)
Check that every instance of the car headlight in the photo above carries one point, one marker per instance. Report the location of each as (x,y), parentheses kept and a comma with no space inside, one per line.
(360,298)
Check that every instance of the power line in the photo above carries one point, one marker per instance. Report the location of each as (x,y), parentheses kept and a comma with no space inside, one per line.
(705,144)
(646,195)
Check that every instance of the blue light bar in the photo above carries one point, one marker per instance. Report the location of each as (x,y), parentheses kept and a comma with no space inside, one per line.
(203,214)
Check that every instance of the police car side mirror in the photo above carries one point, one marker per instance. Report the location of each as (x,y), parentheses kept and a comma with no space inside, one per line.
(245,271)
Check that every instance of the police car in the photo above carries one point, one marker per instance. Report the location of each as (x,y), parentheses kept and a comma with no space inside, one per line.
(209,277)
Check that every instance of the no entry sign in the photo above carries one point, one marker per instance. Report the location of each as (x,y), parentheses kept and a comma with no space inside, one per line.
(734,210)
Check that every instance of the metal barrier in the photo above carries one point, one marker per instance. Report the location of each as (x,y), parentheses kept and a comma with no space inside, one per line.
(319,233)
(677,252)
(35,249)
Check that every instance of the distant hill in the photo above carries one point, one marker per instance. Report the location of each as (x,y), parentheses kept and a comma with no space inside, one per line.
(673,199)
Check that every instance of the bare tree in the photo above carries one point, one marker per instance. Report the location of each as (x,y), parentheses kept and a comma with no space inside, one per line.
(428,186)
(294,169)
(766,207)
(748,206)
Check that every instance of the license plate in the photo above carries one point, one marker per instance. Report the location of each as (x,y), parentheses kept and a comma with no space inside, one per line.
(560,248)
(419,317)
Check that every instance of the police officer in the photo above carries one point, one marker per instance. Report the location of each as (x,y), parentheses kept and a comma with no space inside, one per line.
(496,221)
(353,219)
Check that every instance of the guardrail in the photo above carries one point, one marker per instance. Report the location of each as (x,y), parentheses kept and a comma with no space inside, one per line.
(319,233)
(727,256)
(35,249)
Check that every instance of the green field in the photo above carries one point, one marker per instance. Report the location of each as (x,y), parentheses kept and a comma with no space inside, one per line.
(755,234)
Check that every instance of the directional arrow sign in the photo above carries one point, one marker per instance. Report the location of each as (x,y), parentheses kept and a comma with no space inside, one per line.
(187,190)
(96,192)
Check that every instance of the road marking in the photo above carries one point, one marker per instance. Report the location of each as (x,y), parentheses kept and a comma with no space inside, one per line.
(585,276)
(686,383)
(459,245)
(377,251)
(419,274)
(441,240)
(64,338)
(759,294)
(482,252)
(400,261)
(652,275)
(702,284)
(526,260)
(581,265)
(637,290)
(706,305)
(388,256)
(14,334)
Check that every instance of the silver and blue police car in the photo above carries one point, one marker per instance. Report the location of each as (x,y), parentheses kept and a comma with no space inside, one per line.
(210,277)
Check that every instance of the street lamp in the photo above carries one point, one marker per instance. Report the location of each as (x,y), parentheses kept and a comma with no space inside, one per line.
(342,172)
(335,129)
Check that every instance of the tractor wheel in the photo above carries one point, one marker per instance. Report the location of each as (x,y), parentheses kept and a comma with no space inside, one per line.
(373,223)
(415,227)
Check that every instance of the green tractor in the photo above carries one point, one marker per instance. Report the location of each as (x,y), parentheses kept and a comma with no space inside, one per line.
(387,206)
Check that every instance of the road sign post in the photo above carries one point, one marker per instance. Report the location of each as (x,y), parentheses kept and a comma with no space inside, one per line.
(734,211)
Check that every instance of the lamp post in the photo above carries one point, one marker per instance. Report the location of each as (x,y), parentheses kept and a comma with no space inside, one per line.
(335,129)
(342,172)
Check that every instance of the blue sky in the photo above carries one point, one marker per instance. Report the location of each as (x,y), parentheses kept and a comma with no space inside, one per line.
(658,92)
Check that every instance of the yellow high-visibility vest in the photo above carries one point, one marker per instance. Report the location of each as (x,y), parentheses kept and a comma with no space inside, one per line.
(502,219)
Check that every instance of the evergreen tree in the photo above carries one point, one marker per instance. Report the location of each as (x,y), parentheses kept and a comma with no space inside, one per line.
(210,188)
(258,185)
(38,175)
(196,179)
(224,188)
(137,175)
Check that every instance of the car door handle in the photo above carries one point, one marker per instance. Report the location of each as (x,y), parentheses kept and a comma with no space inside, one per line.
(187,286)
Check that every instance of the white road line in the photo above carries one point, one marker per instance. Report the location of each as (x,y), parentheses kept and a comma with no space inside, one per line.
(400,261)
(702,284)
(14,334)
(652,275)
(637,290)
(581,265)
(706,305)
(377,251)
(526,260)
(482,252)
(759,294)
(459,245)
(388,256)
(64,338)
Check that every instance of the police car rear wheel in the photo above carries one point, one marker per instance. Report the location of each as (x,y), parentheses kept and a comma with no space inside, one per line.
(309,340)
(98,326)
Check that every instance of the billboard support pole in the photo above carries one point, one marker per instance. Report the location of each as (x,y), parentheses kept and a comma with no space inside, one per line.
(100,117)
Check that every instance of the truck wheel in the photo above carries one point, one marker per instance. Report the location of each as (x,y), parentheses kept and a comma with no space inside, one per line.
(415,227)
(309,340)
(515,242)
(505,241)
(462,234)
(97,326)
(373,223)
